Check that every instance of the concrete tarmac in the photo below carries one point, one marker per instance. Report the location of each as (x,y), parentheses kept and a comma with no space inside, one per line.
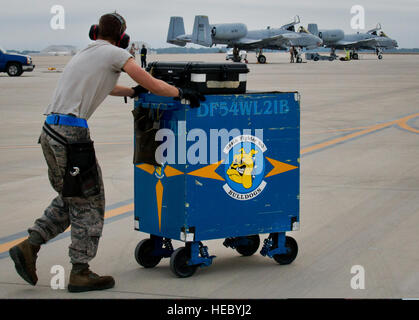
(359,186)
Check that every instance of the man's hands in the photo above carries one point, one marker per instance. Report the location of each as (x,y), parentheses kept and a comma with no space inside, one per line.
(137,91)
(192,95)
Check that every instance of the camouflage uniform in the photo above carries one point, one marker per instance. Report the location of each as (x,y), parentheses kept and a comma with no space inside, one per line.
(85,215)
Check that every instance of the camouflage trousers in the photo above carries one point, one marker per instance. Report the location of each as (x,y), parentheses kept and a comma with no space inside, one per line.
(84,215)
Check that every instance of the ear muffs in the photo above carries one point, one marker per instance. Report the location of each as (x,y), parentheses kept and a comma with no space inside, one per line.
(93,32)
(123,41)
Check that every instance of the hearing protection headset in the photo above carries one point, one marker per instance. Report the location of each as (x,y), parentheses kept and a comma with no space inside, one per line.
(123,41)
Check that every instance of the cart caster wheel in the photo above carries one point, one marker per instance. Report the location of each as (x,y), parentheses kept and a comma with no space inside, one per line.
(251,248)
(289,257)
(178,263)
(143,254)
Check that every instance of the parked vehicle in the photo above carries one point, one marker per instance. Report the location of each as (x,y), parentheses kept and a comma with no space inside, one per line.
(15,64)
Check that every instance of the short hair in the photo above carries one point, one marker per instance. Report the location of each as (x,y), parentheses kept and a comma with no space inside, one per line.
(110,27)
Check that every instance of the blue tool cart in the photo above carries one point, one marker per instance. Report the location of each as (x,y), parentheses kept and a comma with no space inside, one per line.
(230,171)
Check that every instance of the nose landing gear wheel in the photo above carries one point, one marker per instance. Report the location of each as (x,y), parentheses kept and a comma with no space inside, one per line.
(289,257)
(251,247)
(380,56)
(299,60)
(143,254)
(178,263)
(261,59)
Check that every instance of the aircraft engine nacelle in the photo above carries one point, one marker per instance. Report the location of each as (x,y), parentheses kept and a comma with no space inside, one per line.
(228,31)
(331,35)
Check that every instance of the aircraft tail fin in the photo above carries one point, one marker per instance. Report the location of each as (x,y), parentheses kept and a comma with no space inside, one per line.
(313,29)
(176,29)
(201,31)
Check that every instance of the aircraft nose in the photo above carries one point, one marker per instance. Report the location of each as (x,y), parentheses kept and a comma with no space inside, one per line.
(319,41)
(395,43)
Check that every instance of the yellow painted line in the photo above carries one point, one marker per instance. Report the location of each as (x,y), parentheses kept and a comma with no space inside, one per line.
(6,246)
(108,214)
(119,211)
(400,122)
(336,130)
(347,137)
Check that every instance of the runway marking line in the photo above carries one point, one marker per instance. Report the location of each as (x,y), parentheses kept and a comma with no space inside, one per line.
(108,214)
(402,123)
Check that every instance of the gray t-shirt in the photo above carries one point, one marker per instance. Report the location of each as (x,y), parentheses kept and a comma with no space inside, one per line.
(88,79)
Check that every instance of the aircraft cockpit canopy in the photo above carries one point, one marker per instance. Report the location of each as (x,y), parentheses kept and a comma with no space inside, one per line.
(302,30)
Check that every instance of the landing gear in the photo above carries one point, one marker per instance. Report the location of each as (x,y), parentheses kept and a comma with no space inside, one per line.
(379,53)
(236,55)
(298,58)
(354,55)
(261,58)
(333,54)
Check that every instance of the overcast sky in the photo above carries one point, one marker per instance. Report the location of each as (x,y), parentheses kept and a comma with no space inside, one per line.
(25,24)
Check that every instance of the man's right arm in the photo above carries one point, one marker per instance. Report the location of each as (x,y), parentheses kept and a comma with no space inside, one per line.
(147,81)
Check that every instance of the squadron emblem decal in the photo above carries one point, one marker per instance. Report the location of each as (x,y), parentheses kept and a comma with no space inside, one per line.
(245,167)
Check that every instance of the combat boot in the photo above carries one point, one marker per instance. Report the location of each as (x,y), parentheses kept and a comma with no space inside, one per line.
(86,280)
(24,256)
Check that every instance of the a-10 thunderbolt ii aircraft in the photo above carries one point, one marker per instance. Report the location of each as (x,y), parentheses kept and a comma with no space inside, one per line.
(336,39)
(236,36)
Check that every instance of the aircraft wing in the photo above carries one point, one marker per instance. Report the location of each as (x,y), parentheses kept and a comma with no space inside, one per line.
(281,40)
(357,44)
